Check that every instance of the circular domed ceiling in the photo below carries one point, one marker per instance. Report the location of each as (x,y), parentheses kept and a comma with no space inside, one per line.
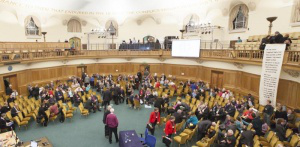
(108,5)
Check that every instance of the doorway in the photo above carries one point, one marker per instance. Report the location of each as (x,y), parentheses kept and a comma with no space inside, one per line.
(11,79)
(145,67)
(75,43)
(217,79)
(81,70)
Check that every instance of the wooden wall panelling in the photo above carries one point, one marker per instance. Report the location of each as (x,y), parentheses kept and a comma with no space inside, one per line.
(244,83)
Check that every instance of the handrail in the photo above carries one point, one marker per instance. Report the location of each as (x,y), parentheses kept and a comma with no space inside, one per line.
(255,56)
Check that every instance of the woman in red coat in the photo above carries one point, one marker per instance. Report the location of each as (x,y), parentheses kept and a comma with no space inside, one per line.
(170,129)
(153,120)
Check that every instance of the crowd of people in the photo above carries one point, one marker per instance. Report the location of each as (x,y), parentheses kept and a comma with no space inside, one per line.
(200,106)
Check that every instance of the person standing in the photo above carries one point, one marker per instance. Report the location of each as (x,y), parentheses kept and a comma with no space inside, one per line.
(170,129)
(112,123)
(107,111)
(268,111)
(153,120)
(106,98)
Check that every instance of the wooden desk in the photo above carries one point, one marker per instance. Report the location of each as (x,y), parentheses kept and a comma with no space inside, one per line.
(40,143)
(8,139)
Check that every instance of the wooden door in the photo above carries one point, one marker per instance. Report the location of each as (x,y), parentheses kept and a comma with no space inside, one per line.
(11,79)
(75,43)
(217,79)
(80,70)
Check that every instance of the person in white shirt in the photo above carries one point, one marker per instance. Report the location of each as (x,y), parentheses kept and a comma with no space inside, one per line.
(14,93)
(133,41)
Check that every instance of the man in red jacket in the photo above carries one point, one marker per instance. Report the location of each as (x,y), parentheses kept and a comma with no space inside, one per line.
(170,129)
(153,120)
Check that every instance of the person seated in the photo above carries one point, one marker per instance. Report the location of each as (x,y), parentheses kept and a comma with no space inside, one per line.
(95,102)
(291,117)
(230,109)
(247,115)
(227,139)
(202,112)
(6,124)
(89,105)
(178,116)
(54,110)
(278,38)
(280,129)
(4,108)
(280,113)
(287,40)
(247,138)
(192,121)
(11,99)
(264,41)
(42,115)
(15,110)
(239,124)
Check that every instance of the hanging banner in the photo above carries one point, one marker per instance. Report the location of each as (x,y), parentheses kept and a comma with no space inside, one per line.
(271,68)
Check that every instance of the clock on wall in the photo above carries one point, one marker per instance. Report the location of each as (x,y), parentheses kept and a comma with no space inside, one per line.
(10,68)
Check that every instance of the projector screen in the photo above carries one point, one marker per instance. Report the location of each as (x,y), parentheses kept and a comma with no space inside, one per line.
(186,48)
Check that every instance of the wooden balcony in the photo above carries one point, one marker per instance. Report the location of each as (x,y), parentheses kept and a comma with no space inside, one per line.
(291,58)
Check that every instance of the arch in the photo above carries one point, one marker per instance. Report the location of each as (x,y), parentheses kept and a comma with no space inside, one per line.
(32,26)
(142,18)
(74,26)
(238,17)
(191,18)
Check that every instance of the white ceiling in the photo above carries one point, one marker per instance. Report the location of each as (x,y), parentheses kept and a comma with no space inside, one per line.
(109,5)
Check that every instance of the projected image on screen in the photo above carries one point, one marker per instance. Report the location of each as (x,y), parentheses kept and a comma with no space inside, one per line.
(186,48)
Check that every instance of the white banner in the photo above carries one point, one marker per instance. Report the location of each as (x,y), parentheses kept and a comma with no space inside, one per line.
(271,68)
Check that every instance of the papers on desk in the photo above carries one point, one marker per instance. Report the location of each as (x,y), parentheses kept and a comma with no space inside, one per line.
(148,106)
(33,144)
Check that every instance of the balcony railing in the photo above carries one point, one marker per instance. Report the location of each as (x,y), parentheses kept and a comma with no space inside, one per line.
(255,56)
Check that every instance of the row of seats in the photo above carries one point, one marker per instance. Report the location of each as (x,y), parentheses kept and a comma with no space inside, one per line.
(258,38)
(295,46)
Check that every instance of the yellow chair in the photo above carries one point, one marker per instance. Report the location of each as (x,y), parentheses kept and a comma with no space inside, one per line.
(137,104)
(181,139)
(22,118)
(53,118)
(20,123)
(71,106)
(294,140)
(67,115)
(8,115)
(83,112)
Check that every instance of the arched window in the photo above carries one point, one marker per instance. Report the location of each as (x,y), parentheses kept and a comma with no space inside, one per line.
(238,18)
(296,11)
(32,27)
(112,27)
(239,21)
(74,26)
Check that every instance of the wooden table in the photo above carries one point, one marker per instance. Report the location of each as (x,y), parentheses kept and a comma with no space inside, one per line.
(40,143)
(8,139)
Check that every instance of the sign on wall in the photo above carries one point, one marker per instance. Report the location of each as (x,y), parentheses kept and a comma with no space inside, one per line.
(271,68)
